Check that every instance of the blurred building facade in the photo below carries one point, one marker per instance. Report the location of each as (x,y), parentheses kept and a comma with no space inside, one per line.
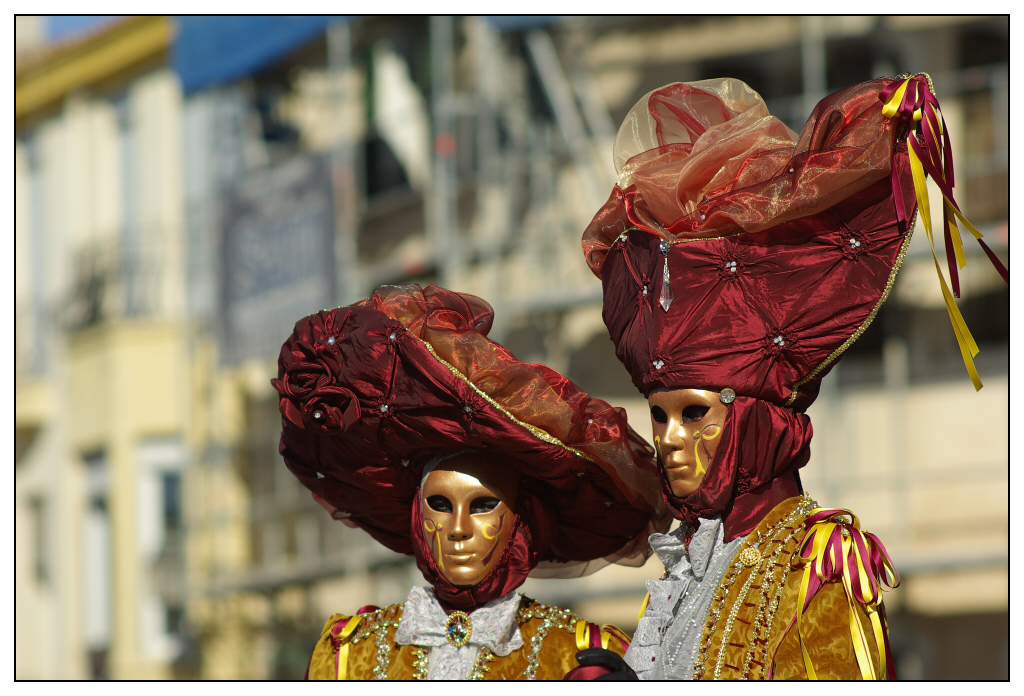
(184,197)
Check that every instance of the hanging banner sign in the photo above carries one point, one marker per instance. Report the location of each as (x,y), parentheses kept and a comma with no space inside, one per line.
(277,255)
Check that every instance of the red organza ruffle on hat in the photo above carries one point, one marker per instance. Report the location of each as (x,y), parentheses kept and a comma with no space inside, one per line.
(719,165)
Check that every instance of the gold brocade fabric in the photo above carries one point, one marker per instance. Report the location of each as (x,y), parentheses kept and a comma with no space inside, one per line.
(756,603)
(371,650)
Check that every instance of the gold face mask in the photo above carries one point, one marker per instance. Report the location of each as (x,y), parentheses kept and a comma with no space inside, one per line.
(467,506)
(687,427)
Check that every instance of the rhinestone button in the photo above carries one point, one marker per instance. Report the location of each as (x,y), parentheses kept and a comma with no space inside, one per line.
(318,415)
(319,475)
(384,408)
(727,396)
(331,340)
(467,408)
(658,364)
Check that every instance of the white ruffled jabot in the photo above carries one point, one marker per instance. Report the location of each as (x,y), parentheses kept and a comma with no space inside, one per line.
(423,623)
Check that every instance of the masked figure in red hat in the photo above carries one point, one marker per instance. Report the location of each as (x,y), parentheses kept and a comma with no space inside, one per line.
(403,419)
(739,261)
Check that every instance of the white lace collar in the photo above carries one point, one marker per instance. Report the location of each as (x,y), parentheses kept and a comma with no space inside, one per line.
(494,624)
(675,556)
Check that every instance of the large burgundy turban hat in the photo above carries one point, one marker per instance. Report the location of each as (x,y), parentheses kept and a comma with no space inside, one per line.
(372,392)
(738,255)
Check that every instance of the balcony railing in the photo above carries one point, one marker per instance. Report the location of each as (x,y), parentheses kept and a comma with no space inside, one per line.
(120,278)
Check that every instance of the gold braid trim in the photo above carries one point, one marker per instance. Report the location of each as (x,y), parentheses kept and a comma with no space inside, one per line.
(537,432)
(736,568)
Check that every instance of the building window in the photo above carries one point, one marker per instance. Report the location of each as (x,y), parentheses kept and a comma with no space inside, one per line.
(173,617)
(934,353)
(97,557)
(41,569)
(171,494)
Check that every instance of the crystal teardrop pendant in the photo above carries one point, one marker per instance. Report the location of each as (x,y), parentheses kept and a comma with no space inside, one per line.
(666,288)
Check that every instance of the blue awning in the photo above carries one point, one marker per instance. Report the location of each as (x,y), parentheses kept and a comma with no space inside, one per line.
(61,27)
(214,50)
(521,22)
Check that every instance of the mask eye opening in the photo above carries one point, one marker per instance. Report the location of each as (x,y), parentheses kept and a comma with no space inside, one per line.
(694,413)
(439,503)
(483,504)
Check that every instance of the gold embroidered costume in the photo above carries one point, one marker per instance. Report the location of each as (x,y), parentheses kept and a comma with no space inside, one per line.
(363,647)
(751,617)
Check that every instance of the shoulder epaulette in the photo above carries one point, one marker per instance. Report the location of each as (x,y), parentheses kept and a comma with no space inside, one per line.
(378,620)
(834,549)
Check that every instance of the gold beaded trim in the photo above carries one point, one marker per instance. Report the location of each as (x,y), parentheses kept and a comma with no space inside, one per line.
(803,508)
(727,631)
(420,663)
(553,617)
(772,608)
(716,607)
(676,240)
(537,432)
(765,610)
(482,665)
(376,623)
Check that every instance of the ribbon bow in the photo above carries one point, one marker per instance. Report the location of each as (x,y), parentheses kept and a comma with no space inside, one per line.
(914,106)
(835,549)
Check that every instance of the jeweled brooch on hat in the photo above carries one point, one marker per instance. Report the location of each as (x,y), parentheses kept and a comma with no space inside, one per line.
(458,628)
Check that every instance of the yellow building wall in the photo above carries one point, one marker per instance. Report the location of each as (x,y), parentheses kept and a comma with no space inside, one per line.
(126,382)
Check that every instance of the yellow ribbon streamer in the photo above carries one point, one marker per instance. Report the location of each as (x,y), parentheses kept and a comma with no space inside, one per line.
(891,107)
(846,558)
(968,347)
(609,631)
(951,213)
(343,650)
(643,607)
(582,635)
